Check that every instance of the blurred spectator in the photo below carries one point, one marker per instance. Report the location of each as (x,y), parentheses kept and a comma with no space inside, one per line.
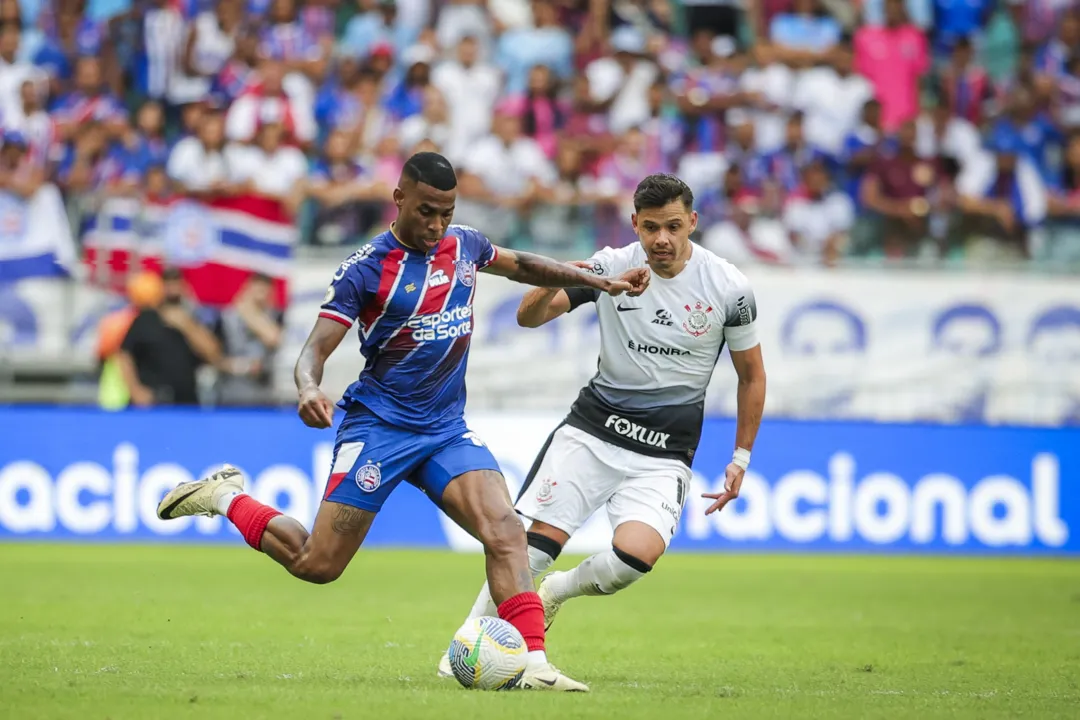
(966,86)
(406,98)
(470,88)
(431,123)
(742,152)
(268,94)
(543,113)
(806,27)
(376,24)
(621,82)
(344,195)
(1040,139)
(939,133)
(13,72)
(786,164)
(249,332)
(145,144)
(862,147)
(1063,243)
(1054,55)
(267,167)
(91,163)
(239,69)
(897,187)
(954,20)
(545,43)
(505,169)
(893,58)
(745,234)
(197,164)
(210,45)
(34,124)
(464,19)
(89,102)
(832,98)
(921,12)
(1001,196)
(18,174)
(164,347)
(817,217)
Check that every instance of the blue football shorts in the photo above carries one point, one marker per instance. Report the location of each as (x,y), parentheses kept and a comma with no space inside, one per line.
(372,457)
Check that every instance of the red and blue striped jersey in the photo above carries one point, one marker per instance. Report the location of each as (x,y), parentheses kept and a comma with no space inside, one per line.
(414,311)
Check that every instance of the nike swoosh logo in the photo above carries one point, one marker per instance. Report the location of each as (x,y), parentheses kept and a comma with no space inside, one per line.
(166,512)
(473,657)
(620,308)
(549,683)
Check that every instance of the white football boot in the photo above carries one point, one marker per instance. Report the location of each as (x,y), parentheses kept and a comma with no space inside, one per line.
(551,604)
(549,677)
(444,666)
(200,497)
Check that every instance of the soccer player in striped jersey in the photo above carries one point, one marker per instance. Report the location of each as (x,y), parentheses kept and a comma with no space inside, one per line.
(411,290)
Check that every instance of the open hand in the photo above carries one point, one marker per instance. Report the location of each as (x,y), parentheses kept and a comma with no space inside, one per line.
(733,477)
(315,408)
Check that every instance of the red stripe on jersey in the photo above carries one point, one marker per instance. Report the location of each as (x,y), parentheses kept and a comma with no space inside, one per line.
(333,482)
(336,317)
(392,267)
(435,297)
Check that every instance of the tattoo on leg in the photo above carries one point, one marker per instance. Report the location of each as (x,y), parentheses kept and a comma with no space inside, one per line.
(525,580)
(348,520)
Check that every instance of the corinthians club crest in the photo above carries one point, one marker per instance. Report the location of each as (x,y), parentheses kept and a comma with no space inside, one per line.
(697,322)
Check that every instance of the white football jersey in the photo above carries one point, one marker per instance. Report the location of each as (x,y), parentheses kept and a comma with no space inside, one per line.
(658,351)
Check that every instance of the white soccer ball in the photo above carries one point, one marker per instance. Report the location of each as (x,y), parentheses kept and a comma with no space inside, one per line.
(488,653)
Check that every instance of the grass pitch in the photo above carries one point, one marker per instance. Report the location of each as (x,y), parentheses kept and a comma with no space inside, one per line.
(95,632)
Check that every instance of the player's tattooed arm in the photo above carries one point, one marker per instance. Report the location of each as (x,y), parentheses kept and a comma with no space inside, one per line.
(315,408)
(532,269)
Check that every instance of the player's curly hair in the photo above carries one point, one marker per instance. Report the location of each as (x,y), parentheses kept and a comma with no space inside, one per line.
(659,189)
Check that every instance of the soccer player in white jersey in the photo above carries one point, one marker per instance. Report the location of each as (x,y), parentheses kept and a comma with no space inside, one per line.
(630,437)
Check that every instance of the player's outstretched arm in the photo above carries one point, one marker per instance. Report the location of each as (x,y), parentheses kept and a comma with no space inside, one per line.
(315,408)
(751,403)
(531,269)
(542,305)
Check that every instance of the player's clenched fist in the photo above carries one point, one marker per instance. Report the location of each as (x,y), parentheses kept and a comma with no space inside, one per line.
(638,279)
(315,409)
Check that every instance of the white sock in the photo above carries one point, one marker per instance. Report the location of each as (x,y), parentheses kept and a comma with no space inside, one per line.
(601,574)
(539,561)
(221,506)
(535,658)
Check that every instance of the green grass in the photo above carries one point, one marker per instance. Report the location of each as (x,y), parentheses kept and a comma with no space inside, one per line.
(165,632)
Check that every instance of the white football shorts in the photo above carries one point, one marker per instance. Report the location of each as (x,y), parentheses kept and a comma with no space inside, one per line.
(578,473)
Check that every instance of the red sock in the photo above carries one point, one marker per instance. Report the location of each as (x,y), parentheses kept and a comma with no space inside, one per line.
(251,518)
(525,611)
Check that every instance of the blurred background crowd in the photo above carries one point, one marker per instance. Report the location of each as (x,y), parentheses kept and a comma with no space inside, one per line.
(895,133)
(811,130)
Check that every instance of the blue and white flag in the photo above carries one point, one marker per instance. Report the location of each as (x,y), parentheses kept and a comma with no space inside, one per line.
(35,238)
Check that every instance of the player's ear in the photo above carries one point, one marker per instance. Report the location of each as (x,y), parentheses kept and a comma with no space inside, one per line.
(399,197)
(633,220)
(693,221)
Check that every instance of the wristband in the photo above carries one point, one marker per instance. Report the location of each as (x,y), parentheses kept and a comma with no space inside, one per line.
(741,458)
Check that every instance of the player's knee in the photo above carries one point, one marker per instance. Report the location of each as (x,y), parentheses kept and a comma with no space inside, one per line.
(626,570)
(318,572)
(502,533)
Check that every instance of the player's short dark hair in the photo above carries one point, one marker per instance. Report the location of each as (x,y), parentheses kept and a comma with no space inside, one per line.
(659,189)
(432,169)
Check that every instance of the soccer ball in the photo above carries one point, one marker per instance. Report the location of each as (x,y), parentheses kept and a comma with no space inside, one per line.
(488,653)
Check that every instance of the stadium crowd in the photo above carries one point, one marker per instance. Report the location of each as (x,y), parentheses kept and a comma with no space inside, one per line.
(810,130)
